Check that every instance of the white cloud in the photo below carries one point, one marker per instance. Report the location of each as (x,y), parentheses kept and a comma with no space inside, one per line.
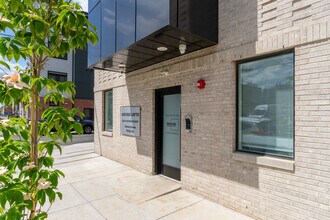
(83,3)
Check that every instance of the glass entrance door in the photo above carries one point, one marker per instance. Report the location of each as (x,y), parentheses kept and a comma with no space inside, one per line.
(168,132)
(171,136)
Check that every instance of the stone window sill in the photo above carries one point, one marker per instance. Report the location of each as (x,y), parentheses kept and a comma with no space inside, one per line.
(278,163)
(107,133)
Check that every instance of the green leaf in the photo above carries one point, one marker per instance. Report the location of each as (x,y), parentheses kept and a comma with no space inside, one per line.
(41,197)
(60,150)
(78,127)
(53,178)
(3,200)
(48,161)
(62,15)
(38,86)
(39,26)
(50,149)
(3,63)
(24,134)
(14,7)
(41,216)
(51,195)
(59,173)
(6,134)
(59,195)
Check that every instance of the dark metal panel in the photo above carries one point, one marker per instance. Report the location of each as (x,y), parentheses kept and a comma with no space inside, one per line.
(82,77)
(174,13)
(199,18)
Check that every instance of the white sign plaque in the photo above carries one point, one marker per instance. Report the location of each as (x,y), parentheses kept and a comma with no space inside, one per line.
(130,120)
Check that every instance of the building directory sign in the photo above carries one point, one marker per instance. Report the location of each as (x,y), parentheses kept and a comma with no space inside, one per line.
(130,120)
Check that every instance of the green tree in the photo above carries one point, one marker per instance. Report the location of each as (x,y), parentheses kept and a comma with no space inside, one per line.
(42,29)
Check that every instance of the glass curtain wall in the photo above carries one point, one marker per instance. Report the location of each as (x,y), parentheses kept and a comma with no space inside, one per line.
(120,23)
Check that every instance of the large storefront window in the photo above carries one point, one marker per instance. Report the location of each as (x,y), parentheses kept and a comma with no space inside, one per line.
(108,106)
(265,105)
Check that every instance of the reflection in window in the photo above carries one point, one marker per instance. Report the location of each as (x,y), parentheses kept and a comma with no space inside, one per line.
(91,4)
(108,28)
(151,16)
(108,119)
(94,51)
(125,23)
(265,111)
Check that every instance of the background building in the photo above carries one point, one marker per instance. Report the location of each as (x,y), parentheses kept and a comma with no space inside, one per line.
(256,137)
(73,67)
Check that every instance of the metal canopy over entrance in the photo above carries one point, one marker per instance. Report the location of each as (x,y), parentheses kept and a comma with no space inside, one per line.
(138,33)
(144,52)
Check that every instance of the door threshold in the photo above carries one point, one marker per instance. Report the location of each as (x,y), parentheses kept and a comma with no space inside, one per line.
(174,180)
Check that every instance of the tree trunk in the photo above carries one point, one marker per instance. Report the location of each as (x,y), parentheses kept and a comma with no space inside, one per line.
(34,128)
(34,137)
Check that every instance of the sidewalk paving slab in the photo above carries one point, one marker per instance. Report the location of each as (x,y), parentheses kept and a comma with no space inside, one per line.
(99,188)
(115,207)
(71,198)
(169,203)
(81,212)
(205,210)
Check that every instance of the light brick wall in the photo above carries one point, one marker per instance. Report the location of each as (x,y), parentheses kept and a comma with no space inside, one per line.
(246,29)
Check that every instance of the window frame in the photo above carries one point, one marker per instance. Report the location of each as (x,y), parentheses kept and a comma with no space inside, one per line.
(50,72)
(103,108)
(255,58)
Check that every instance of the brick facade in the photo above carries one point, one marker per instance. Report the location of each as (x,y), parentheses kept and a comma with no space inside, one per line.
(83,103)
(265,187)
(78,103)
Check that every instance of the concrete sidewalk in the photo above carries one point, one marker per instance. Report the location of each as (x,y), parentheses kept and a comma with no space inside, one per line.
(98,188)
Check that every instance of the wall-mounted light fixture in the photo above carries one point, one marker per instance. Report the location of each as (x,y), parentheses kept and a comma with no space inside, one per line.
(121,66)
(162,49)
(163,72)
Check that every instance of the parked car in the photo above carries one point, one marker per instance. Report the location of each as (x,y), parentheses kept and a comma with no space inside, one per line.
(87,124)
(251,127)
(265,112)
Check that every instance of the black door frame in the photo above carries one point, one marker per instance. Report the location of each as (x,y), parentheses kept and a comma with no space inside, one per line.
(159,112)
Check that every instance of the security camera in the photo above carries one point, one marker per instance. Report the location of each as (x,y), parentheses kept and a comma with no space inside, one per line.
(182,48)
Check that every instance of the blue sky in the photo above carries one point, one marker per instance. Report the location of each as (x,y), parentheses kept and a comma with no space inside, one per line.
(83,3)
(22,63)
